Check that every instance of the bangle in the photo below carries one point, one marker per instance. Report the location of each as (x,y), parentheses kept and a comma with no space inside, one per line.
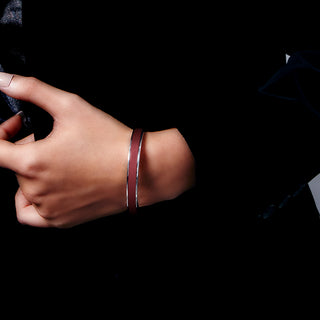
(133,170)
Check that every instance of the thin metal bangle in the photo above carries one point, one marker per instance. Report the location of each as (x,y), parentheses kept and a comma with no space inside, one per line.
(138,164)
(133,205)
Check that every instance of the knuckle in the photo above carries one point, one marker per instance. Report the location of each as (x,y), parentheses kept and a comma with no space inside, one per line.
(20,217)
(45,213)
(47,209)
(31,164)
(35,192)
(31,85)
(59,224)
(33,195)
(71,100)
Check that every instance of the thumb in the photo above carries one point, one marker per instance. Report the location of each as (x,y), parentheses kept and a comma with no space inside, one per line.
(30,89)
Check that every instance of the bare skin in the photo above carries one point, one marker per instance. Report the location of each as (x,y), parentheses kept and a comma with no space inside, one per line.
(78,173)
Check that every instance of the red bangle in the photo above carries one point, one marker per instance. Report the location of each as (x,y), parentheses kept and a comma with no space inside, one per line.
(133,170)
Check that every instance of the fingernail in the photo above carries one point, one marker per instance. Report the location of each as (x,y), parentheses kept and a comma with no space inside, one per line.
(23,116)
(5,79)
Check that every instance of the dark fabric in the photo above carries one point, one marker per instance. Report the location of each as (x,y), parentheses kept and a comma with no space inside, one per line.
(297,80)
(11,54)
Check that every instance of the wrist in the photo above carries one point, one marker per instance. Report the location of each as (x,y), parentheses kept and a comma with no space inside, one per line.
(167,167)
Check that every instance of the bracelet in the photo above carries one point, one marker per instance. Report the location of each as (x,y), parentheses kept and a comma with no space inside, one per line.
(133,170)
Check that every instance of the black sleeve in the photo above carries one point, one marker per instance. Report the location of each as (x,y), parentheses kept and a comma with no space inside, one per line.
(279,138)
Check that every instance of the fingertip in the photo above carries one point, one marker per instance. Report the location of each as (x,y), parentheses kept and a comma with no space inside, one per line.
(5,79)
(22,115)
(10,127)
(39,93)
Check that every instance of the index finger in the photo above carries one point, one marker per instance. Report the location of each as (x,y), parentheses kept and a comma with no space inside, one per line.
(31,89)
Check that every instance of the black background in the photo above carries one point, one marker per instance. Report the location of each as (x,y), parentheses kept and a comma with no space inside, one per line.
(143,68)
(198,69)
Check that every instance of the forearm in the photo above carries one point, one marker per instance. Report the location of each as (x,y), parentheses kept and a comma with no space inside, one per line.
(167,167)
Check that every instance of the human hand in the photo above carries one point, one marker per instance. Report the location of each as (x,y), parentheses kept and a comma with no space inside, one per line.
(78,172)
